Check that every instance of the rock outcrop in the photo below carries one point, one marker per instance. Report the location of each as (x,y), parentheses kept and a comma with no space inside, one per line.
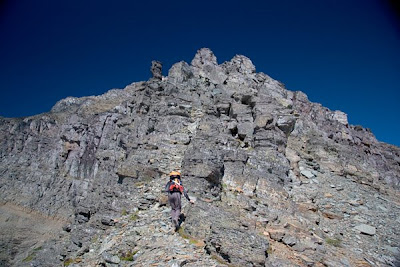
(156,70)
(279,180)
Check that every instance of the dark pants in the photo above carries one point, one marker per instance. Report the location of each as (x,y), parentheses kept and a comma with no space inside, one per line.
(174,200)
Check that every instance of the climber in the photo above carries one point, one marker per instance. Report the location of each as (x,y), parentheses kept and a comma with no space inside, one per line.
(175,189)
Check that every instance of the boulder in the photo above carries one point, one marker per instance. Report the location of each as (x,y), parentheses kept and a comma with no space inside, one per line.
(365,229)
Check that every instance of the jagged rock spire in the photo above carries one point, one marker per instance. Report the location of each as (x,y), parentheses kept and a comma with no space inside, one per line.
(205,64)
(204,57)
(240,64)
(156,70)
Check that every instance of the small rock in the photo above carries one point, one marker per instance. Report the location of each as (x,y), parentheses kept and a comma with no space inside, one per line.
(308,261)
(299,247)
(110,258)
(107,221)
(366,229)
(276,235)
(150,197)
(308,174)
(355,203)
(77,241)
(289,240)
(67,228)
(331,215)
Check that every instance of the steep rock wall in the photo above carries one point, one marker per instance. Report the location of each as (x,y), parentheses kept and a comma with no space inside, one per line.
(268,167)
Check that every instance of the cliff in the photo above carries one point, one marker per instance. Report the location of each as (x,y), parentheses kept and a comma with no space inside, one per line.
(278,180)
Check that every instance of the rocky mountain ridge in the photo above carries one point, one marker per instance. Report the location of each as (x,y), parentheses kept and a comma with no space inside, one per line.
(279,180)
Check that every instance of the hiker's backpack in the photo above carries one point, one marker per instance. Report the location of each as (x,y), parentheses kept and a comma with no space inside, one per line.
(176,186)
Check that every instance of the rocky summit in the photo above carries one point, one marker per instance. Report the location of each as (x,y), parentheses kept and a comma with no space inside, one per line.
(277,180)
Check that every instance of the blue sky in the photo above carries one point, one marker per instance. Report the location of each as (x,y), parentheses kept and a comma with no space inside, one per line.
(343,54)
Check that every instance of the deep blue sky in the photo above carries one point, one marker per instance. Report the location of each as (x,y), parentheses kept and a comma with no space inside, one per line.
(344,54)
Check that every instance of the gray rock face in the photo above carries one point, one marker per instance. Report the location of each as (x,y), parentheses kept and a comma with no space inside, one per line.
(273,174)
(156,70)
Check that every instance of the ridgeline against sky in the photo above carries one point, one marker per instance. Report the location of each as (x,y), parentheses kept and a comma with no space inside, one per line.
(342,54)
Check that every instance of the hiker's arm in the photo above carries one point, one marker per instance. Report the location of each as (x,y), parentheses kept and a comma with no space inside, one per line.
(167,187)
(186,194)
